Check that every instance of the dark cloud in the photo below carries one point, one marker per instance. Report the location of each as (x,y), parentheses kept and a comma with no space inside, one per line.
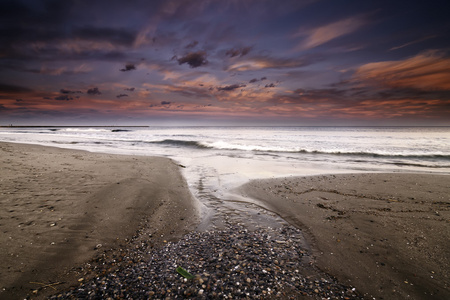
(353,96)
(128,67)
(20,20)
(193,59)
(326,93)
(121,95)
(64,91)
(231,87)
(21,103)
(404,93)
(256,79)
(129,89)
(191,92)
(355,90)
(64,98)
(94,91)
(166,102)
(9,88)
(270,85)
(48,28)
(113,35)
(191,45)
(238,52)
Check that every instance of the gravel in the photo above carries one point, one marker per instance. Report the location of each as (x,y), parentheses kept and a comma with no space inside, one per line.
(227,264)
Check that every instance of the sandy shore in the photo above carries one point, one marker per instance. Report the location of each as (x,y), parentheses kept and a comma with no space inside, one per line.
(385,234)
(61,208)
(83,220)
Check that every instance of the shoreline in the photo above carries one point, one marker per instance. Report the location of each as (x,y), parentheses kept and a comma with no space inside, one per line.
(62,208)
(384,233)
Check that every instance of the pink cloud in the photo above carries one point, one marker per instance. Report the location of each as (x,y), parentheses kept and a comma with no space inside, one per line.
(427,71)
(323,34)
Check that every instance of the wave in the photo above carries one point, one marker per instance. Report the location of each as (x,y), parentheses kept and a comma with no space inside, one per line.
(85,130)
(267,149)
(120,130)
(406,164)
(181,143)
(384,155)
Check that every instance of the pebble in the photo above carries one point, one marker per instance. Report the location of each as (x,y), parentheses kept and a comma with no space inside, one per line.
(224,264)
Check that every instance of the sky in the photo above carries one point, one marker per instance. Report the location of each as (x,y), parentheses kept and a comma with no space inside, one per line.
(225,62)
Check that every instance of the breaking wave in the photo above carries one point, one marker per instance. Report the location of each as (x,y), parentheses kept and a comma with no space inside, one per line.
(253,148)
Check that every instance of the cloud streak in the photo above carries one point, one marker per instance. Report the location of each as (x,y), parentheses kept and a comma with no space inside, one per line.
(323,34)
(427,71)
(231,87)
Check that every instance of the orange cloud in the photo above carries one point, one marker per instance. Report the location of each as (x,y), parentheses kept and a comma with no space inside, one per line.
(259,63)
(427,71)
(376,109)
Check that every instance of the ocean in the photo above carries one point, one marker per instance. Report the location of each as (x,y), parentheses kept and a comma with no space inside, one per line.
(216,159)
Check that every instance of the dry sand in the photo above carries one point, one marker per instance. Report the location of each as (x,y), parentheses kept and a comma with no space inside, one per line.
(61,208)
(385,234)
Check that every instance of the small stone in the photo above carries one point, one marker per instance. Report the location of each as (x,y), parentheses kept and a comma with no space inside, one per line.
(200,292)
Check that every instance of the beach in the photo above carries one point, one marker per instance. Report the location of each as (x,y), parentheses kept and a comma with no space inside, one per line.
(385,234)
(62,208)
(81,224)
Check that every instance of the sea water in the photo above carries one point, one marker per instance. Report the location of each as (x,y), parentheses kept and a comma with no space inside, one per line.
(217,159)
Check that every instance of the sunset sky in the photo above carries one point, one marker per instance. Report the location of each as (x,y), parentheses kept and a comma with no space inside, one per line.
(218,62)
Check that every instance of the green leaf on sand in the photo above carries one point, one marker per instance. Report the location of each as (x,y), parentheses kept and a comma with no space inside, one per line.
(184,273)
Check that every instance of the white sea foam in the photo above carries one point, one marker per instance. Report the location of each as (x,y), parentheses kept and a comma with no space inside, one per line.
(262,151)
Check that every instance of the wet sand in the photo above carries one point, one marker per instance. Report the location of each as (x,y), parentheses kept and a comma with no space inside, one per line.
(62,208)
(385,234)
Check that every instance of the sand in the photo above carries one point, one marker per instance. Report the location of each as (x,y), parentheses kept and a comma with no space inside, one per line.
(62,208)
(385,234)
